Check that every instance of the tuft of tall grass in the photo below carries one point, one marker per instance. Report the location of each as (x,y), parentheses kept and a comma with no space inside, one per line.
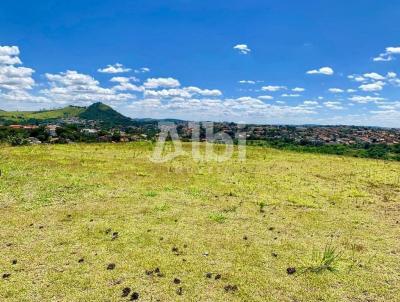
(327,260)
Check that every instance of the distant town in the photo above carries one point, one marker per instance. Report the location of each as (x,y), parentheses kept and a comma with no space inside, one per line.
(100,123)
(307,134)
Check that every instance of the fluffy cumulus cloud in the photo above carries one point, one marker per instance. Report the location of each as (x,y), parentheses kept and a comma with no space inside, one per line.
(15,81)
(16,78)
(374,76)
(242,48)
(323,70)
(154,83)
(273,88)
(388,55)
(245,108)
(376,86)
(186,92)
(116,68)
(73,87)
(203,92)
(125,84)
(9,55)
(298,89)
(366,99)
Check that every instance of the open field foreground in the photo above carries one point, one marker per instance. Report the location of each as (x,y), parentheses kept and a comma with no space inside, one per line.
(83,222)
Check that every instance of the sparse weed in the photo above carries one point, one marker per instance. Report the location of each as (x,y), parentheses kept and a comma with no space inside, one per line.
(262,205)
(150,194)
(325,261)
(161,207)
(218,217)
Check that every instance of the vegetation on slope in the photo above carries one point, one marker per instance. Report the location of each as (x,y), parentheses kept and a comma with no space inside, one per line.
(97,112)
(95,222)
(31,117)
(365,150)
(104,113)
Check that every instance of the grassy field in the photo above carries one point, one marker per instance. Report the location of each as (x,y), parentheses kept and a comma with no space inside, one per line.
(83,222)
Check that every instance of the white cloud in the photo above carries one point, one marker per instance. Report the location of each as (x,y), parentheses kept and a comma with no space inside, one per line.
(310,103)
(184,93)
(290,95)
(389,106)
(357,78)
(391,75)
(124,84)
(116,68)
(388,55)
(376,86)
(154,83)
(395,82)
(351,90)
(167,93)
(242,48)
(247,82)
(265,97)
(22,96)
(334,105)
(240,109)
(16,78)
(374,76)
(298,89)
(15,82)
(273,88)
(9,55)
(203,92)
(335,90)
(124,79)
(142,70)
(365,99)
(322,70)
(74,87)
(9,51)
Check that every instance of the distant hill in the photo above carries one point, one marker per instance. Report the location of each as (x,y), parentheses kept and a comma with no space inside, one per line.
(105,114)
(98,112)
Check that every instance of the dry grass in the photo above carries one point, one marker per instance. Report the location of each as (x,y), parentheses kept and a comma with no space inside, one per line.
(60,204)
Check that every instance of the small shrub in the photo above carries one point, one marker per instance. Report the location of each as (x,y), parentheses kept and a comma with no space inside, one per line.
(18,141)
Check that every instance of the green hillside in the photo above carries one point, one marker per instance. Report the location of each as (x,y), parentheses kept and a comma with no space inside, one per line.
(97,111)
(42,115)
(104,113)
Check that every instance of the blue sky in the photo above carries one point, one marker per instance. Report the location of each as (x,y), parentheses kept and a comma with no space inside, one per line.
(291,62)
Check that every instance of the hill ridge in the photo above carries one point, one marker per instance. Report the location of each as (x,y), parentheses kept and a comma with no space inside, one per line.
(98,112)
